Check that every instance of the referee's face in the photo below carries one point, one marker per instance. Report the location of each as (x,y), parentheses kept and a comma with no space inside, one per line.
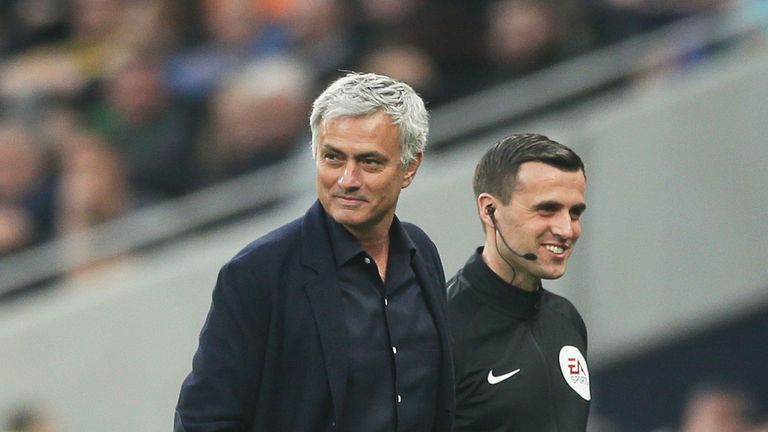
(542,217)
(359,175)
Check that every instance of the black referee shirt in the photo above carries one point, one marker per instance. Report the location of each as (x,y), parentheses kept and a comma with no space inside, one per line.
(394,347)
(519,356)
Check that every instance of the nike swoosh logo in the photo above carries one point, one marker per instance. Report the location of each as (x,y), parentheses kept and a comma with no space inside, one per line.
(497,379)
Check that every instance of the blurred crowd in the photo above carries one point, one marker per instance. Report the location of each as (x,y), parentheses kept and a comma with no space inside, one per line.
(110,105)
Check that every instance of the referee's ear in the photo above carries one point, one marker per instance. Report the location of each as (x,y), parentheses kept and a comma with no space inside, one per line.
(486,206)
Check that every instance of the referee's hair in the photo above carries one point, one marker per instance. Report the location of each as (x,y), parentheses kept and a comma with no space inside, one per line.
(496,173)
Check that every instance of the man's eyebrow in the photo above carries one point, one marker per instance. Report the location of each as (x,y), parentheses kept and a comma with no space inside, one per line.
(554,206)
(579,208)
(371,154)
(548,205)
(329,147)
(359,156)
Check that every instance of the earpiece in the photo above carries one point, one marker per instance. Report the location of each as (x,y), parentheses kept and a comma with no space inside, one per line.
(490,210)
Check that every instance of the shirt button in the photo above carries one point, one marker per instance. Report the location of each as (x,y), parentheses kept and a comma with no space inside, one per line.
(394,350)
(367,260)
(399,399)
(386,303)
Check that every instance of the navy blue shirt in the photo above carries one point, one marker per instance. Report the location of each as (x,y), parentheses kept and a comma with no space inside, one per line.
(394,347)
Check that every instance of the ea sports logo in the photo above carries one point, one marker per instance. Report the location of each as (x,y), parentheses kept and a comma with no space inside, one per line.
(575,371)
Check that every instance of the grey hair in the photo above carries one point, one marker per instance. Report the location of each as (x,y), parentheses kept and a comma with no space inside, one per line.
(362,94)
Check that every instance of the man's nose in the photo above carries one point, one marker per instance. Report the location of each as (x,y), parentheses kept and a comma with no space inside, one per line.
(562,225)
(350,177)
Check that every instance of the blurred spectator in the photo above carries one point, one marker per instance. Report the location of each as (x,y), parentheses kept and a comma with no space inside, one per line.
(522,35)
(259,115)
(235,34)
(57,122)
(32,22)
(155,136)
(525,35)
(378,20)
(322,35)
(93,189)
(30,419)
(4,32)
(152,25)
(451,32)
(620,19)
(674,56)
(446,35)
(275,10)
(26,190)
(409,64)
(717,407)
(66,68)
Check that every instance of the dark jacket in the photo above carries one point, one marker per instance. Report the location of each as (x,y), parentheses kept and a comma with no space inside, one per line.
(273,355)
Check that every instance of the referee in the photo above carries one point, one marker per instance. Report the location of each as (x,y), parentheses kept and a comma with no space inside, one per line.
(520,350)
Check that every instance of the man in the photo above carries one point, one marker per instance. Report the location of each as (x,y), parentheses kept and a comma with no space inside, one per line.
(519,349)
(335,321)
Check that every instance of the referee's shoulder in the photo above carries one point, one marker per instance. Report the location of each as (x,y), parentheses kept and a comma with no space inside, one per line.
(457,287)
(462,303)
(566,308)
(560,304)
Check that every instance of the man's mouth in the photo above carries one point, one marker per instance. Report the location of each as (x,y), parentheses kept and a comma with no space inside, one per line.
(555,249)
(349,199)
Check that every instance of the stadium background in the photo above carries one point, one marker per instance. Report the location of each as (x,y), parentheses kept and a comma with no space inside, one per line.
(102,304)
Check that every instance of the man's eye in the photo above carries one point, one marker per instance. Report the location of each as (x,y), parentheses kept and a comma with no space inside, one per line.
(330,157)
(577,211)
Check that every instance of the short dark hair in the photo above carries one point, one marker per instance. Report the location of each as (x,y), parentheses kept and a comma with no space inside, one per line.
(496,172)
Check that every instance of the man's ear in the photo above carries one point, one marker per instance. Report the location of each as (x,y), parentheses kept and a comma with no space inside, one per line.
(486,207)
(410,170)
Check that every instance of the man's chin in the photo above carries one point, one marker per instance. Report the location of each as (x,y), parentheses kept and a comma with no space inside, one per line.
(350,220)
(553,274)
(346,216)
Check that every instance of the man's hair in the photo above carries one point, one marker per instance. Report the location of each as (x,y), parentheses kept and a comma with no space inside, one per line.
(496,173)
(359,95)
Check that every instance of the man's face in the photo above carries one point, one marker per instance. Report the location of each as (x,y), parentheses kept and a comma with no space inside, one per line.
(359,176)
(543,217)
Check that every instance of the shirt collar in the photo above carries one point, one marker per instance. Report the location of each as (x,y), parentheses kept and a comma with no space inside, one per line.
(512,299)
(345,246)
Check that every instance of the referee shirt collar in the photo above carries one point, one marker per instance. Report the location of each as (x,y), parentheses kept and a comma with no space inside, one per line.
(498,292)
